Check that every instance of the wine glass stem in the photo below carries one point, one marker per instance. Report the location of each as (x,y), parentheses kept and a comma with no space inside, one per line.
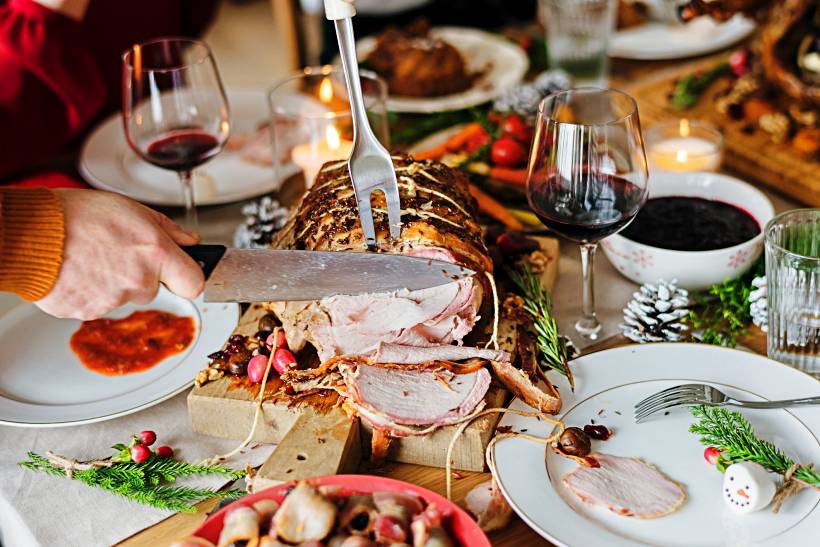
(588,326)
(191,222)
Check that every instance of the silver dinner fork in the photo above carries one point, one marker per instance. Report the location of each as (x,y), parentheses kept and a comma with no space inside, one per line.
(703,394)
(370,164)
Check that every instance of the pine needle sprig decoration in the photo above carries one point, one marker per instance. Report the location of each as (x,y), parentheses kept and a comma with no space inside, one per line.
(145,482)
(735,437)
(555,351)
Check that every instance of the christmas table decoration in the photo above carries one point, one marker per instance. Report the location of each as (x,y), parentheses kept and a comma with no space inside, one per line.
(263,218)
(759,303)
(657,313)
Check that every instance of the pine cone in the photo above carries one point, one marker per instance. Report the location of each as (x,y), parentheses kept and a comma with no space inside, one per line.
(759,303)
(263,219)
(524,99)
(656,313)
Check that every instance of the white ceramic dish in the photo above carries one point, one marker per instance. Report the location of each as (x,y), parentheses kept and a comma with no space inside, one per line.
(608,384)
(693,269)
(43,383)
(504,65)
(108,163)
(656,41)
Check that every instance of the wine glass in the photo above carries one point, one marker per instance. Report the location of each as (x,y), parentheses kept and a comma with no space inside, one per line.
(587,176)
(174,108)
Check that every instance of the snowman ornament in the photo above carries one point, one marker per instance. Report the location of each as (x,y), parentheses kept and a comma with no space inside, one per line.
(747,487)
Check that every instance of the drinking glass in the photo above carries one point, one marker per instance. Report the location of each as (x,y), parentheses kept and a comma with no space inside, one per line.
(311,122)
(174,108)
(793,288)
(587,176)
(578,33)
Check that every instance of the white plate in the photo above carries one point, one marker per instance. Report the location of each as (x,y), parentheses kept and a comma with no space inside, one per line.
(43,383)
(504,65)
(107,162)
(656,41)
(614,380)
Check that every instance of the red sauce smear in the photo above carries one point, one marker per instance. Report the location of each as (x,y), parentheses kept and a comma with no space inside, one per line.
(115,347)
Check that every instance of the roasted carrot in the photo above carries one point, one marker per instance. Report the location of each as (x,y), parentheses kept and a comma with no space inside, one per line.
(453,144)
(493,208)
(517,177)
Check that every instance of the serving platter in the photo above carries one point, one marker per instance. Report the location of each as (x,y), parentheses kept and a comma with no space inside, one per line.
(608,384)
(502,62)
(44,384)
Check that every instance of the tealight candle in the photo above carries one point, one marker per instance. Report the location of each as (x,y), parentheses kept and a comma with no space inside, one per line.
(310,157)
(684,146)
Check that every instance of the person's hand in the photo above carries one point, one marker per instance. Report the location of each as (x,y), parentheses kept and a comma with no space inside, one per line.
(117,251)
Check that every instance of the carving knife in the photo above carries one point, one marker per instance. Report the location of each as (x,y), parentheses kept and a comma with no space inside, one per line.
(270,275)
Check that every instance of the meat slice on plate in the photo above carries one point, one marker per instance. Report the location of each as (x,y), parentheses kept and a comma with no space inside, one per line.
(626,486)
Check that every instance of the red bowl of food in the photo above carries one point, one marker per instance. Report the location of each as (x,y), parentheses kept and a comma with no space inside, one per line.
(385,507)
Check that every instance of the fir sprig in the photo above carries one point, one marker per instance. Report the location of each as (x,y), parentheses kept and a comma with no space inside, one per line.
(555,354)
(734,436)
(146,482)
(689,88)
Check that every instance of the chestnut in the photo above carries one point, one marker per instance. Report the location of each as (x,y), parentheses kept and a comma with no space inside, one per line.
(267,322)
(575,442)
(238,369)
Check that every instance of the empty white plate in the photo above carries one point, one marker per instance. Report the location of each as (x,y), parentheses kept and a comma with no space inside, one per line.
(43,383)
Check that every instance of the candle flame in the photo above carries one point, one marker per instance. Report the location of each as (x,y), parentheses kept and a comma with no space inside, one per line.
(681,156)
(333,139)
(325,91)
(684,127)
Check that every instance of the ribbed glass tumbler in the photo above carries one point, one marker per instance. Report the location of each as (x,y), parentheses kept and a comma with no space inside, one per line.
(793,284)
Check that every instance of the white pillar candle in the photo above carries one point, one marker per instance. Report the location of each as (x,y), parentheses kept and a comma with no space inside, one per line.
(684,147)
(310,157)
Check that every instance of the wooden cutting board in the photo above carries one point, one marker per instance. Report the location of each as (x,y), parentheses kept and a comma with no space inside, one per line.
(751,154)
(315,437)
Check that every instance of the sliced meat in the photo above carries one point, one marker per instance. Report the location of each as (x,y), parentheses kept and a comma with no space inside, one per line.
(626,486)
(415,397)
(487,503)
(520,384)
(412,355)
(305,515)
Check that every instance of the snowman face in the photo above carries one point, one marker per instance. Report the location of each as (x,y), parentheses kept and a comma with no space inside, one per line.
(747,487)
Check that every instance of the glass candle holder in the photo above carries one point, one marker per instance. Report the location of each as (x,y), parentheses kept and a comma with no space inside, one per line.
(793,288)
(684,145)
(311,122)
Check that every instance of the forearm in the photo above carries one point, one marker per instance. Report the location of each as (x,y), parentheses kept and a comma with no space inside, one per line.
(32,233)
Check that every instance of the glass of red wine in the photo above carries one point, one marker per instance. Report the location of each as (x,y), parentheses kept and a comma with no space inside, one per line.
(587,174)
(174,108)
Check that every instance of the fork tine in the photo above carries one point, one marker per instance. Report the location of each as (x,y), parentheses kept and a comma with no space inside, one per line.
(680,401)
(366,216)
(666,393)
(391,195)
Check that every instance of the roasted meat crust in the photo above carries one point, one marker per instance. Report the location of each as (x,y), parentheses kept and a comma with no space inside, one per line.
(437,212)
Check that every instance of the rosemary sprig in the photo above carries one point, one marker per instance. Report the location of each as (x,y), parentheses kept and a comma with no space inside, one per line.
(146,482)
(734,436)
(689,88)
(537,302)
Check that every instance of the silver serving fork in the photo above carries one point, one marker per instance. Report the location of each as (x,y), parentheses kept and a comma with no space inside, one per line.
(703,394)
(370,164)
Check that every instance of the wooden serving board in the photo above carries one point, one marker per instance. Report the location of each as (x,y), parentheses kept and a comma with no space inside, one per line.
(315,437)
(754,155)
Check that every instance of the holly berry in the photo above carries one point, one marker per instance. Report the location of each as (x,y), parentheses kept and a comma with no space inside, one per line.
(256,368)
(283,360)
(739,62)
(515,127)
(165,451)
(147,437)
(507,152)
(711,455)
(140,453)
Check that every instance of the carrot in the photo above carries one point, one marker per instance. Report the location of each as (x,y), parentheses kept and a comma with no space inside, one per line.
(453,144)
(493,208)
(518,177)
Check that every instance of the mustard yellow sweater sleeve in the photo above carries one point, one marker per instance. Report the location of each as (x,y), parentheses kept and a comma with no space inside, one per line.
(32,233)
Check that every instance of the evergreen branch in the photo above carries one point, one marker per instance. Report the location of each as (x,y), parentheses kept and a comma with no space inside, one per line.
(689,88)
(735,437)
(537,302)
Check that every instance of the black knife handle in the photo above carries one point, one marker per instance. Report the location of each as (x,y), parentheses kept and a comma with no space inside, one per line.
(207,256)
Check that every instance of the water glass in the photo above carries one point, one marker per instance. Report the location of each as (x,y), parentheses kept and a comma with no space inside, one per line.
(578,33)
(793,284)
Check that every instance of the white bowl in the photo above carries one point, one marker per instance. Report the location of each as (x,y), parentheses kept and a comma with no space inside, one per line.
(694,270)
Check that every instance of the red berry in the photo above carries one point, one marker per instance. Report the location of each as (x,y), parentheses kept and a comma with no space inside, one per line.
(148,437)
(711,455)
(277,341)
(165,451)
(507,153)
(256,368)
(283,360)
(739,62)
(140,453)
(515,127)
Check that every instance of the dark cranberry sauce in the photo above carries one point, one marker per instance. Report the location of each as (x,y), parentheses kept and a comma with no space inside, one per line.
(691,224)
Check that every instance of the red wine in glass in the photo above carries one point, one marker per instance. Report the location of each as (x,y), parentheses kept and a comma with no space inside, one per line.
(182,149)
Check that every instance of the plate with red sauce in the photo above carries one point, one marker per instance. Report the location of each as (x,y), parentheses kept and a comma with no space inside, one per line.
(59,372)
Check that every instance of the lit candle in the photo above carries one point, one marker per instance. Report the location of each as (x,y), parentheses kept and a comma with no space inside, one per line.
(684,147)
(310,157)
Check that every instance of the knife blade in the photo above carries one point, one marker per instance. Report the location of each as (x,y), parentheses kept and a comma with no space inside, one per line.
(271,275)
